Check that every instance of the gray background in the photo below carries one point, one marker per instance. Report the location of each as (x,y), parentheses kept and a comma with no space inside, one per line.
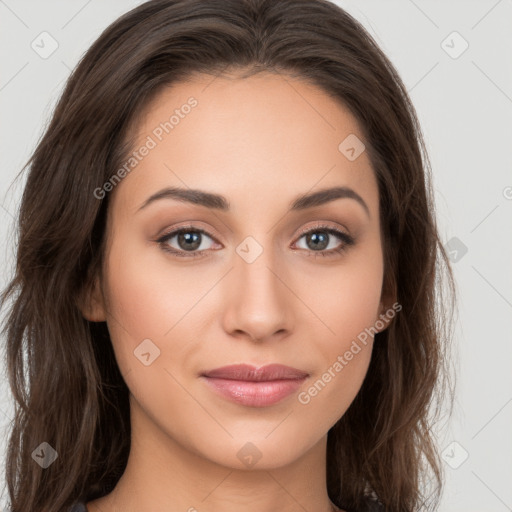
(464,102)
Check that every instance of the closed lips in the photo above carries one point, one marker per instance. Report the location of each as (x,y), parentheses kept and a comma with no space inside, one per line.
(250,386)
(245,372)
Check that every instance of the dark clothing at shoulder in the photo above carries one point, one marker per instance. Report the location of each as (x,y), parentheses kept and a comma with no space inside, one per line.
(79,506)
(374,506)
(370,505)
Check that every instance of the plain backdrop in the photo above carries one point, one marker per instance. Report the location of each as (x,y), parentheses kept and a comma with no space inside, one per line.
(455,57)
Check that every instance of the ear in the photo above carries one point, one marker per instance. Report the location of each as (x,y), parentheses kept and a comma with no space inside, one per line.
(92,303)
(388,309)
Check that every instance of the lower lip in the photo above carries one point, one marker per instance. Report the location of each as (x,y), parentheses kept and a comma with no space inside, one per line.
(255,394)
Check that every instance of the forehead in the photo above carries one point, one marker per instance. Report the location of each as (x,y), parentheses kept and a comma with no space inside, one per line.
(268,136)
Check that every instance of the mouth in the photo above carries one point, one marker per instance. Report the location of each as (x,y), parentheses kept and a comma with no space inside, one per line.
(255,387)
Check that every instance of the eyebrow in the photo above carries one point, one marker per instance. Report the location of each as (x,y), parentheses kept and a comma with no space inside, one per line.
(221,203)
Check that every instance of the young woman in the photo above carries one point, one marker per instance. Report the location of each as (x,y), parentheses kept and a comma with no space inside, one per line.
(227,285)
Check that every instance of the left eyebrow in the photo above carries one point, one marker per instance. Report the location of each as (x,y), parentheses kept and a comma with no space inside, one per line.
(326,196)
(221,203)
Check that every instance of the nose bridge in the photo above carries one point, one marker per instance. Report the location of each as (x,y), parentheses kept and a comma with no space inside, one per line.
(255,267)
(258,302)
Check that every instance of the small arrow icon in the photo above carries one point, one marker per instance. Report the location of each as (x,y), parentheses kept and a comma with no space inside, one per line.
(44,44)
(146,352)
(454,45)
(44,455)
(249,454)
(455,455)
(456,249)
(351,147)
(249,249)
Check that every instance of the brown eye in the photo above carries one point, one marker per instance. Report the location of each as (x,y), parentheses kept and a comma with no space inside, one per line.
(188,240)
(322,240)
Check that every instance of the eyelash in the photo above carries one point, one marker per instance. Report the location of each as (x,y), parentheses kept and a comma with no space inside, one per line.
(344,237)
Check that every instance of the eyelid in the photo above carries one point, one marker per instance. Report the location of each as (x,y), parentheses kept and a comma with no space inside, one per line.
(191,225)
(322,225)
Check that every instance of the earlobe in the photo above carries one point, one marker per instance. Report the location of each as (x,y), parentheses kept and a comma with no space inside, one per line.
(382,322)
(91,303)
(386,315)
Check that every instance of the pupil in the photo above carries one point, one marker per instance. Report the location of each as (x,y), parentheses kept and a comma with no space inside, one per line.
(315,238)
(189,236)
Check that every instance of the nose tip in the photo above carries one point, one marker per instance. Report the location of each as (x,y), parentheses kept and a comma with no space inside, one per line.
(257,302)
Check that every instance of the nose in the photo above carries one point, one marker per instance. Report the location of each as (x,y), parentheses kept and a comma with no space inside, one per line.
(258,304)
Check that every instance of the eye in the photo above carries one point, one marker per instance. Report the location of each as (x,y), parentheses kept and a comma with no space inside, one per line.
(190,242)
(321,241)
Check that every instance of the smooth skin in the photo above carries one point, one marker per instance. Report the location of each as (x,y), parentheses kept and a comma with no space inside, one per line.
(260,142)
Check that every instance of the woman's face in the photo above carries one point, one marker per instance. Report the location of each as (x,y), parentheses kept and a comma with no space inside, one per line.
(264,284)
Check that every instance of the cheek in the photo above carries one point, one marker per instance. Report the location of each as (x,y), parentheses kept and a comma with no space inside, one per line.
(344,355)
(154,298)
(347,301)
(356,305)
(346,298)
(149,294)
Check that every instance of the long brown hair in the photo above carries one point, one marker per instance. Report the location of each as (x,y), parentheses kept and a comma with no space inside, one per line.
(67,387)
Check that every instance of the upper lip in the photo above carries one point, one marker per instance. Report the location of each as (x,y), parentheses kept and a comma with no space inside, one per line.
(252,373)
